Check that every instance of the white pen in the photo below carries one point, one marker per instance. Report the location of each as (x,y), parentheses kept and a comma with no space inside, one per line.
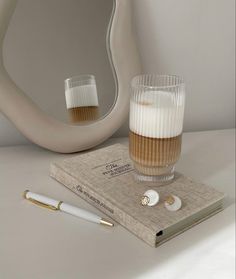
(62,206)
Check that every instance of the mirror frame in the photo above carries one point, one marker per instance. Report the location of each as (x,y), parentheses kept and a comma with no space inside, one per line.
(55,135)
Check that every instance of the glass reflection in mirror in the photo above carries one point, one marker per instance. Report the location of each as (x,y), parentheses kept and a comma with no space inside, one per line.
(82,99)
(51,44)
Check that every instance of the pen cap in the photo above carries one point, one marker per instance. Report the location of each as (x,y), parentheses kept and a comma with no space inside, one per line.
(40,198)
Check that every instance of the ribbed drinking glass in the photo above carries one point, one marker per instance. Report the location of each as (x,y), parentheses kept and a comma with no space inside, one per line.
(156,123)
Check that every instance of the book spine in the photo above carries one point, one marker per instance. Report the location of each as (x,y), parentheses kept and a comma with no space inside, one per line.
(85,192)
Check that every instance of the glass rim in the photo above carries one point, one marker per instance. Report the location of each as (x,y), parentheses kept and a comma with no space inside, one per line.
(177,84)
(79,78)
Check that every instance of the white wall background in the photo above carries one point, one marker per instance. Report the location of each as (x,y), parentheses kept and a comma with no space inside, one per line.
(191,38)
(194,39)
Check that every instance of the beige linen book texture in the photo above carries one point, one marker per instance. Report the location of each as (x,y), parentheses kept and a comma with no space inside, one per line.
(104,178)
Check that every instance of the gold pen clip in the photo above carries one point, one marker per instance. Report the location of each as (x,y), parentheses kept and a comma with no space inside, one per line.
(48,206)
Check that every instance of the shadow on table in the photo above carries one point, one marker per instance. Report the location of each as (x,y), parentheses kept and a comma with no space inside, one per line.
(195,158)
(135,260)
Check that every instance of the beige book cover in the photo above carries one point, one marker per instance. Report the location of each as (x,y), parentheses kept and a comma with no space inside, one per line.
(104,178)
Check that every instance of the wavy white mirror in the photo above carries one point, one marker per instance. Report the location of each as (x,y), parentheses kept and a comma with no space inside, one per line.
(45,42)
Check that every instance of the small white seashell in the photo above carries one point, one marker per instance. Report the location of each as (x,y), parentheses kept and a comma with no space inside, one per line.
(173,203)
(150,198)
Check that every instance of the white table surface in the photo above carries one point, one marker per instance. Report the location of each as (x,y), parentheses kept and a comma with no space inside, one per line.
(38,243)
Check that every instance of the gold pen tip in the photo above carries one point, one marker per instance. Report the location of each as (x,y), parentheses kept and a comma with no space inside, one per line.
(106,223)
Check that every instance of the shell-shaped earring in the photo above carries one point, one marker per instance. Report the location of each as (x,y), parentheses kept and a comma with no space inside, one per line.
(150,198)
(173,203)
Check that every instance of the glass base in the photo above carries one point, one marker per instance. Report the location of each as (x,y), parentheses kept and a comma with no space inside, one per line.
(158,175)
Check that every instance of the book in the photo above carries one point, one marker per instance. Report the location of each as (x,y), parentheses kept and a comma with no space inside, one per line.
(105,179)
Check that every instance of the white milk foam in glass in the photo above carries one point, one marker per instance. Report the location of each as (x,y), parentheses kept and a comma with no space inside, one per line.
(157,114)
(82,96)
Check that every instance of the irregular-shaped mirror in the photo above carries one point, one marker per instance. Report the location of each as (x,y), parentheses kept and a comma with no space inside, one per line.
(44,44)
(56,52)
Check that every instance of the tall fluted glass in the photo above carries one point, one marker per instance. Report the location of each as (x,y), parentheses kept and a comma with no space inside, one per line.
(81,98)
(156,124)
